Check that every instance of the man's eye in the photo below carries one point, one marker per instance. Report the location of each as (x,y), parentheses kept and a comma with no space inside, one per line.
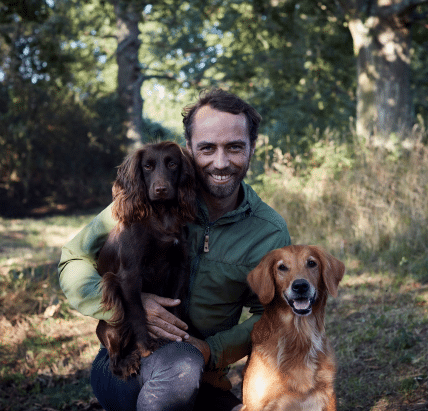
(236,148)
(207,149)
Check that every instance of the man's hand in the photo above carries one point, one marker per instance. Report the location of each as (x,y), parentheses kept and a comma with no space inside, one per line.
(160,322)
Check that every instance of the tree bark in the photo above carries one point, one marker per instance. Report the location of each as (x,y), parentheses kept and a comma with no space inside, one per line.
(382,39)
(130,78)
(384,103)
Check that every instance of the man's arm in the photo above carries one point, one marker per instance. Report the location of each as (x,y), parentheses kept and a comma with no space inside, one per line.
(80,280)
(78,276)
(231,345)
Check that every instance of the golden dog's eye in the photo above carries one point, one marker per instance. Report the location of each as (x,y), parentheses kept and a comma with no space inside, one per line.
(312,263)
(282,267)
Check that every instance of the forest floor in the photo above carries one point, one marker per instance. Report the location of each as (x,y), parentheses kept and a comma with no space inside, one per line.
(378,326)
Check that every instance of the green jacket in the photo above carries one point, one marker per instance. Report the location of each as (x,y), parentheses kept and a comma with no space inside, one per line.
(218,289)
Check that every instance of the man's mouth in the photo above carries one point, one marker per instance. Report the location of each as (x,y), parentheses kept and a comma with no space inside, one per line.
(218,177)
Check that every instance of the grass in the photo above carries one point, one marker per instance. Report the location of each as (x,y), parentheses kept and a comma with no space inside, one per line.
(379,330)
(46,348)
(369,209)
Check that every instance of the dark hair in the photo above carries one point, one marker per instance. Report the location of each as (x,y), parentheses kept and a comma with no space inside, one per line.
(223,101)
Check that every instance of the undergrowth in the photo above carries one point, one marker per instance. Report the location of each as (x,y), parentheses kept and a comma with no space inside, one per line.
(361,201)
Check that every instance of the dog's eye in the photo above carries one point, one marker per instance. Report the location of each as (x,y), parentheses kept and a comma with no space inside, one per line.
(282,267)
(172,165)
(148,167)
(311,263)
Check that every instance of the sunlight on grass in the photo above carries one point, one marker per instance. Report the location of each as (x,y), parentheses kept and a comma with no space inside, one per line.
(31,242)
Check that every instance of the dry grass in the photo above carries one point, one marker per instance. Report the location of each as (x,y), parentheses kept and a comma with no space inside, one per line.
(379,330)
(46,348)
(358,201)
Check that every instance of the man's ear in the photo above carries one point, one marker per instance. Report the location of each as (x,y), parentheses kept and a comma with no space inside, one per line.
(189,146)
(252,148)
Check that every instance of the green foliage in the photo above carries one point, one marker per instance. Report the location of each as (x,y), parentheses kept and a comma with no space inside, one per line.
(155,131)
(56,151)
(293,60)
(283,57)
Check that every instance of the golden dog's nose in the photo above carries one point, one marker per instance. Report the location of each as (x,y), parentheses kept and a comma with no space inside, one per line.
(300,286)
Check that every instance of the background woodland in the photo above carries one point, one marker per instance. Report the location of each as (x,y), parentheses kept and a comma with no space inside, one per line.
(83,82)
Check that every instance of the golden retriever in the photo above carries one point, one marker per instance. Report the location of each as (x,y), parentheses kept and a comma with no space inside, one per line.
(292,365)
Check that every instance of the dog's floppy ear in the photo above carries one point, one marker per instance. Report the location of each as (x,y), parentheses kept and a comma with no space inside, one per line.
(129,190)
(262,278)
(187,186)
(332,269)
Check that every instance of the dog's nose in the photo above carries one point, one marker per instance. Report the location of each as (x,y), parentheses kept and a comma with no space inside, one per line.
(300,286)
(161,189)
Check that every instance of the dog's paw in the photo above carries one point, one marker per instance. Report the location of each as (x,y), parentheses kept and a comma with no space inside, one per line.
(143,350)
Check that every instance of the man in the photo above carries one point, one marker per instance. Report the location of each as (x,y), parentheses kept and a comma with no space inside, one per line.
(234,229)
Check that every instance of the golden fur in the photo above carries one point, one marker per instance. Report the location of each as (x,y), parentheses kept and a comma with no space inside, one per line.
(292,365)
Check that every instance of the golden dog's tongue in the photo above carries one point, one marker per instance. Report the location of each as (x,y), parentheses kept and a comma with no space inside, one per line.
(301,304)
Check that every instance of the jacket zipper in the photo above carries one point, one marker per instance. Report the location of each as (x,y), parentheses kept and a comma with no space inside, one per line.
(207,239)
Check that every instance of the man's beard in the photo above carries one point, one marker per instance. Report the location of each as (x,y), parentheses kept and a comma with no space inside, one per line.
(225,190)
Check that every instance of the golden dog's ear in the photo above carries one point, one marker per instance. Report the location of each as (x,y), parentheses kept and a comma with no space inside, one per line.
(332,269)
(262,278)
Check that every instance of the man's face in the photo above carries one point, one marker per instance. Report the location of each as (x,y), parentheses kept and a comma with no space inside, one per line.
(221,148)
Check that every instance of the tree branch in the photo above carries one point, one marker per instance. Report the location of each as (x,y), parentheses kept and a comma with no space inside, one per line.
(369,7)
(144,77)
(397,9)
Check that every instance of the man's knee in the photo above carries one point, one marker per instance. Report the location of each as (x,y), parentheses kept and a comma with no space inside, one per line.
(177,363)
(187,364)
(170,378)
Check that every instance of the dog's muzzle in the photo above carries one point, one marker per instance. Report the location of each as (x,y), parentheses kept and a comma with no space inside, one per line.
(300,296)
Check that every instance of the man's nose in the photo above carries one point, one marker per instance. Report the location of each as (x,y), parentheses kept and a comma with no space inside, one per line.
(221,160)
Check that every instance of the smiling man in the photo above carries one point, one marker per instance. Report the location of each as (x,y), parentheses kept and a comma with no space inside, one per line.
(233,230)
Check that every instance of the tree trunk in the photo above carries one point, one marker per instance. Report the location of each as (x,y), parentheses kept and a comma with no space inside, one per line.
(130,78)
(384,102)
(382,38)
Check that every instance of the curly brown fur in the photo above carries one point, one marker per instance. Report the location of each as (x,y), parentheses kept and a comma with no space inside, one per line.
(154,199)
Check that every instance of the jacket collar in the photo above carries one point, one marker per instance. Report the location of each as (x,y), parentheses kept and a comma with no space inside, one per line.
(249,203)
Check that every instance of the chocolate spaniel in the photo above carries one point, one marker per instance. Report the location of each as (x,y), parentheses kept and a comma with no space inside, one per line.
(154,199)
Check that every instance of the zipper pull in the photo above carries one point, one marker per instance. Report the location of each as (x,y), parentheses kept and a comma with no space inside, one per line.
(207,240)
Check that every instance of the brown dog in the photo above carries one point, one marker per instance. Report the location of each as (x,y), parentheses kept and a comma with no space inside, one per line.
(154,199)
(292,365)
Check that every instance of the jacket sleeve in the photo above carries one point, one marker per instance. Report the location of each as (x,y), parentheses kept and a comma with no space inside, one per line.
(233,344)
(78,276)
(230,346)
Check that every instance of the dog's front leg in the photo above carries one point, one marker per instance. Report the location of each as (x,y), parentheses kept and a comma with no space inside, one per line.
(135,313)
(331,405)
(137,343)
